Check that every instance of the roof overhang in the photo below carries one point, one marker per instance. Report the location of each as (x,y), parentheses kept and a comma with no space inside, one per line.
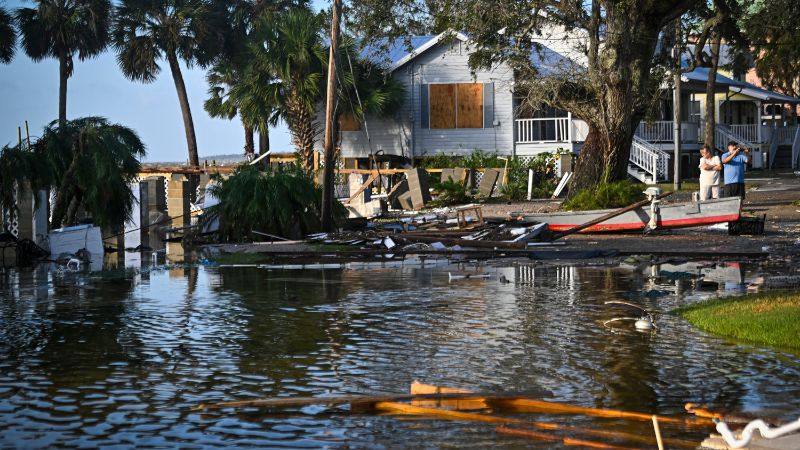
(426,46)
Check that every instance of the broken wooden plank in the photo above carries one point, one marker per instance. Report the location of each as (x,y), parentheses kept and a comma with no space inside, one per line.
(538,435)
(371,178)
(403,408)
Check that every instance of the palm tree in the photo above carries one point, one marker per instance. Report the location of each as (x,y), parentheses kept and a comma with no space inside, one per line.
(289,53)
(222,79)
(146,31)
(62,29)
(8,36)
(92,162)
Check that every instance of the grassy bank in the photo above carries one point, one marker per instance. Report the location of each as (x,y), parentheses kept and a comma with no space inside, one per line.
(768,319)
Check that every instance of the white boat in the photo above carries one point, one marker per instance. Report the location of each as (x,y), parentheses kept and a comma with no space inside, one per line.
(71,240)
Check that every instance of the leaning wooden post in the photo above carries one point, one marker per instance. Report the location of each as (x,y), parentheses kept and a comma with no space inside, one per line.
(327,173)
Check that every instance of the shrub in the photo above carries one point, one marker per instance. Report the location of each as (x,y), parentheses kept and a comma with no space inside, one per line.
(451,193)
(608,195)
(285,202)
(543,166)
(479,159)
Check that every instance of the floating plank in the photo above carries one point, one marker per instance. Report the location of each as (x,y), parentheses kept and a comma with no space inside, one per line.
(403,408)
(543,406)
(553,438)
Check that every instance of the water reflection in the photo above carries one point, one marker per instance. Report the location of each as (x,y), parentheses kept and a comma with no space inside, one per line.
(119,358)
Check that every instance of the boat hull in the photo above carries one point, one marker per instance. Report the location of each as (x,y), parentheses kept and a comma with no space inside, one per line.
(669,215)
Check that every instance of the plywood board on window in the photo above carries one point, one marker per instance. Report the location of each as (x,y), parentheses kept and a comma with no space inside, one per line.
(348,122)
(443,105)
(470,105)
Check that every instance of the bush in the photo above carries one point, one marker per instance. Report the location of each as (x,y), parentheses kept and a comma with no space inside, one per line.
(543,166)
(608,195)
(285,202)
(451,193)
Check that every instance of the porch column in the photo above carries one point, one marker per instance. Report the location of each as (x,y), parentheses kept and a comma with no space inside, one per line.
(569,129)
(758,122)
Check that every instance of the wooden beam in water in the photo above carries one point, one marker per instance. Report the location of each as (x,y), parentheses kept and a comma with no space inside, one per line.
(543,406)
(402,408)
(553,438)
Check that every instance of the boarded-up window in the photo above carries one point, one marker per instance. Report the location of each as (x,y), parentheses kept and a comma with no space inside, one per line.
(470,105)
(443,105)
(456,105)
(348,122)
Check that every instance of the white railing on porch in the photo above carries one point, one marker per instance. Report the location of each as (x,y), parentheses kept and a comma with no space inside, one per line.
(664,131)
(539,130)
(650,160)
(658,131)
(746,131)
(795,147)
(785,135)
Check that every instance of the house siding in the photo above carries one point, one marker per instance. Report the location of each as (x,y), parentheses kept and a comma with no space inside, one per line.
(403,133)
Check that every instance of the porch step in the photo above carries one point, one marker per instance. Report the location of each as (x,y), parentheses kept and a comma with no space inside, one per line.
(783,157)
(638,174)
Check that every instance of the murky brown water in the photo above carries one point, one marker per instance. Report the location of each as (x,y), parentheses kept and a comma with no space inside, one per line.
(117,360)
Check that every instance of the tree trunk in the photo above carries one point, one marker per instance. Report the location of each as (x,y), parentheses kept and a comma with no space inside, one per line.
(63,72)
(600,160)
(249,142)
(65,192)
(263,147)
(621,87)
(330,123)
(710,116)
(183,99)
(303,129)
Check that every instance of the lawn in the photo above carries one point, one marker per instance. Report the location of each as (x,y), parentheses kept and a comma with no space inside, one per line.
(770,319)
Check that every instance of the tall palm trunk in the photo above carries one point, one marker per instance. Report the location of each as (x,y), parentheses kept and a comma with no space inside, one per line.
(303,129)
(263,146)
(62,89)
(249,143)
(65,192)
(711,110)
(183,99)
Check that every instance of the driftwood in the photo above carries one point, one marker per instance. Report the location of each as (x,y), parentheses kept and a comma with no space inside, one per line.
(538,435)
(543,406)
(602,219)
(282,402)
(403,408)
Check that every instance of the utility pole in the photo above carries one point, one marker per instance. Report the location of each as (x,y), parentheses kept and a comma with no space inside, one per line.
(676,108)
(327,173)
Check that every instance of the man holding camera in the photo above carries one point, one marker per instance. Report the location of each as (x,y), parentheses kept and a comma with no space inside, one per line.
(734,161)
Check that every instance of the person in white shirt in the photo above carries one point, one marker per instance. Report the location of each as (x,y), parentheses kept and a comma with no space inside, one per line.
(710,166)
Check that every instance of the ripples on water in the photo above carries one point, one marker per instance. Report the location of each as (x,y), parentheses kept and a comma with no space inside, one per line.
(118,360)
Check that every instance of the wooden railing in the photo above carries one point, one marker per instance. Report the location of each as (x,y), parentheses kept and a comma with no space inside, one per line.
(540,130)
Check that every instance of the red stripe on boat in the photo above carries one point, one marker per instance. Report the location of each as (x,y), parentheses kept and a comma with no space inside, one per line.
(634,226)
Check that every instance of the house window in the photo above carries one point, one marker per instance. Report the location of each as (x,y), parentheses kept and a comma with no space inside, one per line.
(348,122)
(458,105)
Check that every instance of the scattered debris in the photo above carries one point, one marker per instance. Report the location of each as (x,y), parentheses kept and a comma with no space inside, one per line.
(644,322)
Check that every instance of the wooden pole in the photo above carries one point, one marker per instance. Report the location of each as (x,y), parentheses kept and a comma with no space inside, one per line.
(676,108)
(610,215)
(658,433)
(327,175)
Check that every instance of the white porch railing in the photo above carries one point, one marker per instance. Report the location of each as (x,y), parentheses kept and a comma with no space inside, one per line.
(651,164)
(795,147)
(664,131)
(746,131)
(530,131)
(658,131)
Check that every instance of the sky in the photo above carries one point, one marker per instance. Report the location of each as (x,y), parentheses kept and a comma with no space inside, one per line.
(29,91)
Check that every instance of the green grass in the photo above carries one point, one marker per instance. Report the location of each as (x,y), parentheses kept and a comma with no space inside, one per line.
(768,319)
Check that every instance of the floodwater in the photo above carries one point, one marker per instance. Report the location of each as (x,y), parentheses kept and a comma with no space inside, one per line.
(117,359)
